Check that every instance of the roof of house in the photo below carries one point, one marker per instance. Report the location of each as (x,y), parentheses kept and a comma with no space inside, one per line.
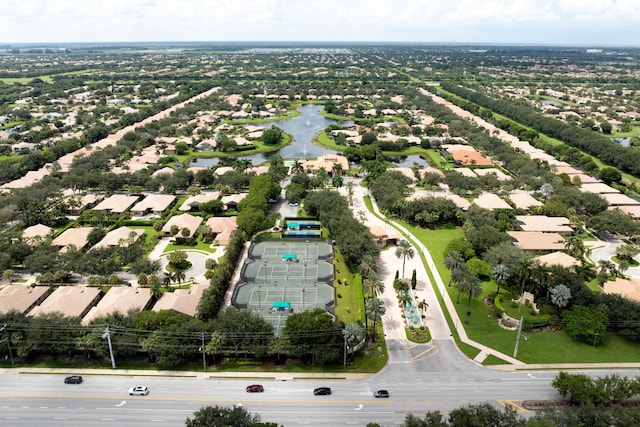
(233,198)
(626,288)
(557,258)
(38,230)
(569,170)
(163,171)
(465,172)
(633,210)
(119,299)
(68,300)
(198,199)
(524,200)
(77,237)
(326,161)
(223,226)
(20,297)
(431,169)
(598,188)
(408,172)
(620,200)
(183,221)
(537,240)
(491,201)
(154,202)
(500,176)
(117,203)
(182,300)
(559,224)
(118,236)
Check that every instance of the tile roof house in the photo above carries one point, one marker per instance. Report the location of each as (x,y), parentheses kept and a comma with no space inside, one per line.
(491,201)
(232,200)
(557,258)
(182,300)
(537,241)
(153,204)
(187,221)
(326,161)
(524,200)
(119,299)
(546,224)
(192,204)
(69,300)
(222,227)
(77,237)
(119,237)
(36,233)
(21,298)
(626,288)
(117,203)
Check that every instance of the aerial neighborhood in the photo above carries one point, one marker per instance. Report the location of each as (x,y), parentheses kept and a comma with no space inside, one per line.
(297,205)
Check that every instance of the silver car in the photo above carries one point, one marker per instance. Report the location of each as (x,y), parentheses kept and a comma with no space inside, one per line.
(138,391)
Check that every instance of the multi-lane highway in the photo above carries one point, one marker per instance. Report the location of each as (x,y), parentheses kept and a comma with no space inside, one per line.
(441,379)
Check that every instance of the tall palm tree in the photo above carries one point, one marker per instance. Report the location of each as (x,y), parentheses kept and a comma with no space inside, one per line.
(473,288)
(404,250)
(337,181)
(353,333)
(297,167)
(336,169)
(523,268)
(375,309)
(574,246)
(458,275)
(500,274)
(368,264)
(452,261)
(373,285)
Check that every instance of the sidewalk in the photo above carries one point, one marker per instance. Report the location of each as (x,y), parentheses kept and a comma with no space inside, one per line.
(394,324)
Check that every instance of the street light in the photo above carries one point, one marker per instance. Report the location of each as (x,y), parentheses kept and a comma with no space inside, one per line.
(6,337)
(595,336)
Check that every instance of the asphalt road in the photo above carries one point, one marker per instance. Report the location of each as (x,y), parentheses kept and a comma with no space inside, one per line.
(420,379)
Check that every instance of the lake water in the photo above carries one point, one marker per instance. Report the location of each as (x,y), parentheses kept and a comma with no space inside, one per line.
(622,141)
(302,128)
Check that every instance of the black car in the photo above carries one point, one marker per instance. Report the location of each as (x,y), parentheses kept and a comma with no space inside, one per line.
(381,393)
(322,391)
(255,388)
(73,379)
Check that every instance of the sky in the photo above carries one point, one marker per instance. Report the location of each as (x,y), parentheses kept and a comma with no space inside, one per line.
(557,22)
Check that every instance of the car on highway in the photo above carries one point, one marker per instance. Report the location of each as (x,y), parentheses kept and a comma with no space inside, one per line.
(255,388)
(73,379)
(139,390)
(381,393)
(322,391)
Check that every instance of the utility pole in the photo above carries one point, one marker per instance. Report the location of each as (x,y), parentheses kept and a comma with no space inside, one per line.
(106,334)
(6,337)
(204,358)
(515,351)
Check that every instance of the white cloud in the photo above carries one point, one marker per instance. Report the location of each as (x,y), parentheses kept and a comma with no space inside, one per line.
(380,20)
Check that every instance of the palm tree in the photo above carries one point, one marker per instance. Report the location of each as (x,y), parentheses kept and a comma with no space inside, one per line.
(353,333)
(373,285)
(242,164)
(523,268)
(368,264)
(375,309)
(405,298)
(404,250)
(336,169)
(574,246)
(500,274)
(422,306)
(297,167)
(337,181)
(458,275)
(472,287)
(452,261)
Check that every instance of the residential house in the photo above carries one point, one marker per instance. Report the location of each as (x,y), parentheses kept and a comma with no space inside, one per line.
(72,301)
(153,204)
(21,298)
(190,222)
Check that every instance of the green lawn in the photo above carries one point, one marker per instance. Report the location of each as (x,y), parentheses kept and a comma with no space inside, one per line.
(349,308)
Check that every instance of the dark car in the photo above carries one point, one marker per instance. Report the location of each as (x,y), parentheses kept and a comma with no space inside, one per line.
(322,391)
(381,393)
(255,388)
(73,379)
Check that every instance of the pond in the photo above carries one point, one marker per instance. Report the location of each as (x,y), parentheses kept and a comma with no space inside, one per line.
(409,161)
(302,128)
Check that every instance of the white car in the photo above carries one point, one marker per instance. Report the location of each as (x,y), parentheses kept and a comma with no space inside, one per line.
(138,391)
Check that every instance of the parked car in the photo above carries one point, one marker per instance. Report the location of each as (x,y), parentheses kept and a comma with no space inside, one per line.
(381,393)
(255,388)
(73,379)
(322,391)
(138,391)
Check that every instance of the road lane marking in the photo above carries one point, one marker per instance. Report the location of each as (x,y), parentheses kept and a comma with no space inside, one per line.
(513,404)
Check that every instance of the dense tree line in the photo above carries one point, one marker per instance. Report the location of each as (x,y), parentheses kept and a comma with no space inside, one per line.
(352,238)
(595,144)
